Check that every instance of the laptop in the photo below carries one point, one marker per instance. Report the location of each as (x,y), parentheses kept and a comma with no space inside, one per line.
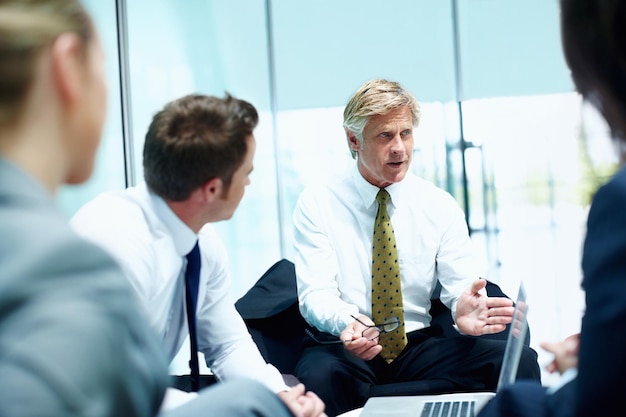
(459,404)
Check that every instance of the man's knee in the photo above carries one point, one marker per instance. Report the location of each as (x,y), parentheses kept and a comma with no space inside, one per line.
(341,382)
(317,372)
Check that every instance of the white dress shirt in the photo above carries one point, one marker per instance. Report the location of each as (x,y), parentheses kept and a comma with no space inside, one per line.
(333,229)
(150,242)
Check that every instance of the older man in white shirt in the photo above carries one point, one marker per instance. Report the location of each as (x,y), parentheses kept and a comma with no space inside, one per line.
(369,288)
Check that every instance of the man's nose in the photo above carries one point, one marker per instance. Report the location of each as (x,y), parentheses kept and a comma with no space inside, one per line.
(396,144)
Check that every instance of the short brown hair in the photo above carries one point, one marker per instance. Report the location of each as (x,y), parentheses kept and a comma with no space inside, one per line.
(26,27)
(195,139)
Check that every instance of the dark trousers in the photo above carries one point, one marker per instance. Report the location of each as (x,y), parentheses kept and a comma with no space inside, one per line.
(429,364)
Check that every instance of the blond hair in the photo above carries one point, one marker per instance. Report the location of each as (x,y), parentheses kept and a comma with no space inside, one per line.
(26,28)
(376,97)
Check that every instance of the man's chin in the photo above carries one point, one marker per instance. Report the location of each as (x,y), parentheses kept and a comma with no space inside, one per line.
(397,177)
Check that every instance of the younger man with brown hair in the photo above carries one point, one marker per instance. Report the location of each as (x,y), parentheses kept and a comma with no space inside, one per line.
(198,154)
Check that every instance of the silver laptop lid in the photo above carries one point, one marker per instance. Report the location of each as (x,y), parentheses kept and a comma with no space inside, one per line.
(515,340)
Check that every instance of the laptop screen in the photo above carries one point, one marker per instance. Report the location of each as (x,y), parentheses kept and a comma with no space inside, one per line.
(515,340)
(413,406)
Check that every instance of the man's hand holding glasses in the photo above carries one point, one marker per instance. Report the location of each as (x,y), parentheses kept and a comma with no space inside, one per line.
(361,336)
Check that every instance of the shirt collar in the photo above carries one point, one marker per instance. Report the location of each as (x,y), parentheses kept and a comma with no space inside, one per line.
(183,237)
(368,191)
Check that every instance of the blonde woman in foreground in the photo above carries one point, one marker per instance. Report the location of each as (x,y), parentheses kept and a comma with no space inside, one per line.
(72,341)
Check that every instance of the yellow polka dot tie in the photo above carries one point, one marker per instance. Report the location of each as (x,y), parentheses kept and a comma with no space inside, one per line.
(386,286)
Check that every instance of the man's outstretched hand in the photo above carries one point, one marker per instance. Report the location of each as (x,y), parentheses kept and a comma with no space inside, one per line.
(478,314)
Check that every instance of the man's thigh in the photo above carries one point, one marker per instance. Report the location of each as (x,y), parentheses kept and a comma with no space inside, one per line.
(470,363)
(341,380)
(330,360)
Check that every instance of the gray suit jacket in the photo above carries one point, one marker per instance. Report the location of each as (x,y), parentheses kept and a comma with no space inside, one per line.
(72,342)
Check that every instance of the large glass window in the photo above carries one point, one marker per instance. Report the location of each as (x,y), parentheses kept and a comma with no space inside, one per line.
(543,157)
(211,47)
(109,167)
(501,129)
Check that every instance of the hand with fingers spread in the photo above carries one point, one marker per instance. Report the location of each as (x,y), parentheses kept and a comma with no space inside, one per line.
(478,314)
(565,353)
(302,403)
(356,344)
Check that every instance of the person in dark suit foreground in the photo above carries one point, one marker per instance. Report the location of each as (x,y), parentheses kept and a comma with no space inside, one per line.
(72,340)
(594,42)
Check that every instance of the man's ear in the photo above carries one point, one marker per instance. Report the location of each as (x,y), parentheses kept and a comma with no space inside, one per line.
(353,141)
(68,60)
(212,189)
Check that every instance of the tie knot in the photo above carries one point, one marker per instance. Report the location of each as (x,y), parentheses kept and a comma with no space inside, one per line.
(382,197)
(194,254)
(193,261)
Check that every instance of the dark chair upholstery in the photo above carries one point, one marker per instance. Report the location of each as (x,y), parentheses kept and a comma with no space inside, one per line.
(270,310)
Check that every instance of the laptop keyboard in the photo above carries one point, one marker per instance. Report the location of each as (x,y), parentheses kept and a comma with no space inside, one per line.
(448,409)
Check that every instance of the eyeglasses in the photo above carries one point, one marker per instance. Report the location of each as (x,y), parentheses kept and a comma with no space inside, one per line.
(375,330)
(370,333)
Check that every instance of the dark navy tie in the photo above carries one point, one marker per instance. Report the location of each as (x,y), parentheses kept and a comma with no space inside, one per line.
(192,282)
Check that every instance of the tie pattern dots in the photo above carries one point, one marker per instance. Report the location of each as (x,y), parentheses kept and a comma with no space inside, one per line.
(386,286)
